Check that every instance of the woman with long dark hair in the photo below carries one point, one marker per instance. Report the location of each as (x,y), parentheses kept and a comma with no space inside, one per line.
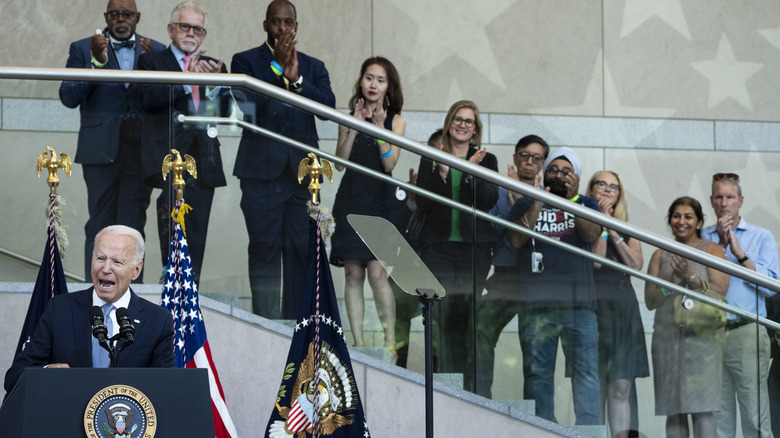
(687,363)
(378,99)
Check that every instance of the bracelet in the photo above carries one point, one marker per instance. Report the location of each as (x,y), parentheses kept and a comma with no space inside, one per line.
(617,242)
(277,69)
(575,199)
(387,154)
(665,292)
(381,142)
(97,63)
(604,235)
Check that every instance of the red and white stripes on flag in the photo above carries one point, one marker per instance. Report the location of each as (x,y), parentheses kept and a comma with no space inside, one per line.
(191,347)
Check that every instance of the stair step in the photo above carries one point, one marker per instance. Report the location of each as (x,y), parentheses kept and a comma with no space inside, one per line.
(524,406)
(450,379)
(592,431)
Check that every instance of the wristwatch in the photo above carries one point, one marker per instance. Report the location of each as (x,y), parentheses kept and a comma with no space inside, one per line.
(297,84)
(743,259)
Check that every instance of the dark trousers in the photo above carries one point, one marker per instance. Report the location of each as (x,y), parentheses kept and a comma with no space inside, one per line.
(116,193)
(492,316)
(773,387)
(462,275)
(278,227)
(196,223)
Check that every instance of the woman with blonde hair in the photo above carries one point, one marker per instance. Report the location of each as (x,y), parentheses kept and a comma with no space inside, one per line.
(622,348)
(457,246)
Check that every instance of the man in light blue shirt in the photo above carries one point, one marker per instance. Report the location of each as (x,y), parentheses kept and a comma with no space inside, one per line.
(753,248)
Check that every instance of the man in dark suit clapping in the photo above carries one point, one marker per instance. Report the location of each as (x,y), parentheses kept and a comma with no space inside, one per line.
(187,29)
(273,202)
(109,144)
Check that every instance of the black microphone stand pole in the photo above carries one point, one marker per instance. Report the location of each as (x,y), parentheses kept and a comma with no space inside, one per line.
(427,298)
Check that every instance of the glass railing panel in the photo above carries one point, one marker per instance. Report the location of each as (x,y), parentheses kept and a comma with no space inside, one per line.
(31,124)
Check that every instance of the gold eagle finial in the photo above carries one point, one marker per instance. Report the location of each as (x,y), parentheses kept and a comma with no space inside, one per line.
(52,164)
(314,170)
(178,166)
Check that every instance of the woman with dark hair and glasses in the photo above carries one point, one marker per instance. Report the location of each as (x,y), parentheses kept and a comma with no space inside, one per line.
(622,349)
(378,99)
(687,363)
(456,246)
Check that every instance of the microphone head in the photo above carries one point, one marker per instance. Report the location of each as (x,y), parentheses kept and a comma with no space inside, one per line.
(95,314)
(125,325)
(122,315)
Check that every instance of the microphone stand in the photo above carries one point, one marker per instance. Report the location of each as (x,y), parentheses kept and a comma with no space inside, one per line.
(427,298)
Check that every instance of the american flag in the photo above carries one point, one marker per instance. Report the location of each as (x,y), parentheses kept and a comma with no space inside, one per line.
(180,297)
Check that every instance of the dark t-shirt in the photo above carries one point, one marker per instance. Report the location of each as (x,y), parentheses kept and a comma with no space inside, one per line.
(567,279)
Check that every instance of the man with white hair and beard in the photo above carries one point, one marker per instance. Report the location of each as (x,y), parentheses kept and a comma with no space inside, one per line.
(560,294)
(187,29)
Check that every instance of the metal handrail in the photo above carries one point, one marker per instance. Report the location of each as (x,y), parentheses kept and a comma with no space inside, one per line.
(481,214)
(326,112)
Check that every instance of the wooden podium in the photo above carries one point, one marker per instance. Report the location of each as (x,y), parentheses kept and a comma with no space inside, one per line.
(168,402)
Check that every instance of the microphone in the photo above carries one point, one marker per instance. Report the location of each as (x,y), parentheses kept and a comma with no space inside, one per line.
(126,329)
(99,329)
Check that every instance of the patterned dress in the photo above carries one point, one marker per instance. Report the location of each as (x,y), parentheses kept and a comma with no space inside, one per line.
(686,365)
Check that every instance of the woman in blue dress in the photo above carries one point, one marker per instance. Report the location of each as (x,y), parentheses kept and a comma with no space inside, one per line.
(377,99)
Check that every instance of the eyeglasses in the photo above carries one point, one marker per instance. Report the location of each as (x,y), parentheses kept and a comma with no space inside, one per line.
(603,185)
(524,156)
(127,15)
(185,27)
(720,176)
(469,123)
(554,171)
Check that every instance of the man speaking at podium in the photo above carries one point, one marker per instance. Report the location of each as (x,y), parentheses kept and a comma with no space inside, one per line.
(64,338)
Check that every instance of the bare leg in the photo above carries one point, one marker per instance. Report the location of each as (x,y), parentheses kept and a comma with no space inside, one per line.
(384,300)
(354,277)
(704,425)
(677,426)
(619,408)
(603,380)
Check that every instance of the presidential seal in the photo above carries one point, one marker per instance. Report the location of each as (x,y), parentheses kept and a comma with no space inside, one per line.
(120,411)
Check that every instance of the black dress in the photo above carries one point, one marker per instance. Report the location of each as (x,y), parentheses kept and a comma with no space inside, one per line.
(622,347)
(360,194)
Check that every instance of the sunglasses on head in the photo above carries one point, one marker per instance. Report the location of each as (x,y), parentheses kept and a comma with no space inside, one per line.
(721,176)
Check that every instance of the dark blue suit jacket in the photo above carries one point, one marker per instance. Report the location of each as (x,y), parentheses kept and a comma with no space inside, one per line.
(187,139)
(101,104)
(260,157)
(64,335)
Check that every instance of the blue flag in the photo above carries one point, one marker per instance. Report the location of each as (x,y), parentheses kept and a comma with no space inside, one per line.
(50,282)
(324,403)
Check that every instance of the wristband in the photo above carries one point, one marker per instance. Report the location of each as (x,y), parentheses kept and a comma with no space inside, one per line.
(97,63)
(619,240)
(277,69)
(665,292)
(575,199)
(381,142)
(387,154)
(604,235)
